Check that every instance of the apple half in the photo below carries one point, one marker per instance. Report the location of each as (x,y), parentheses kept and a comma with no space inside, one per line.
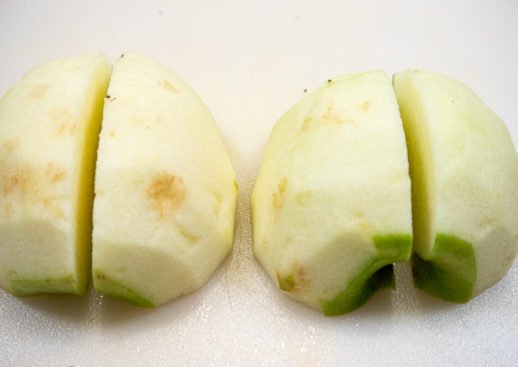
(49,123)
(165,190)
(332,203)
(464,171)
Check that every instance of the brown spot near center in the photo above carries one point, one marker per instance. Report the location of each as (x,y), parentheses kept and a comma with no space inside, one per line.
(366,106)
(168,86)
(17,180)
(38,91)
(63,120)
(54,173)
(167,193)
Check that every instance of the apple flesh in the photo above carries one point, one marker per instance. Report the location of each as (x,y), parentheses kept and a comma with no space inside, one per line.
(331,206)
(165,190)
(49,123)
(464,172)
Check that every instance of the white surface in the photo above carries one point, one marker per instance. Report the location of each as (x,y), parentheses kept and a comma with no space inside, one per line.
(250,61)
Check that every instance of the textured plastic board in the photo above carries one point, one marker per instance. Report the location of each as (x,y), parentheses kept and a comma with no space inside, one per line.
(250,61)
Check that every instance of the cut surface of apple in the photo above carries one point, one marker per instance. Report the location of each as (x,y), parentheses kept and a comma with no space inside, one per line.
(165,190)
(331,206)
(464,172)
(49,123)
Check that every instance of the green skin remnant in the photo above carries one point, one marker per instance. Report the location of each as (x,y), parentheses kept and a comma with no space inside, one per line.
(378,274)
(450,271)
(34,287)
(110,287)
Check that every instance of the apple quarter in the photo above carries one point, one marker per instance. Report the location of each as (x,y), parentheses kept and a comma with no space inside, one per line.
(464,172)
(332,203)
(165,190)
(49,123)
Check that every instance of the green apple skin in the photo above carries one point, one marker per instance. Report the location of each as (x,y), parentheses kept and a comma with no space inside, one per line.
(331,207)
(464,171)
(49,123)
(165,190)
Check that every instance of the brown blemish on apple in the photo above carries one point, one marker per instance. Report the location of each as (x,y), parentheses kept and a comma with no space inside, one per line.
(16,180)
(295,281)
(38,91)
(366,105)
(332,117)
(168,86)
(167,193)
(64,121)
(54,173)
(111,134)
(278,196)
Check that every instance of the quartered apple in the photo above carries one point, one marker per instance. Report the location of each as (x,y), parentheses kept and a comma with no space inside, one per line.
(165,191)
(332,203)
(49,123)
(464,172)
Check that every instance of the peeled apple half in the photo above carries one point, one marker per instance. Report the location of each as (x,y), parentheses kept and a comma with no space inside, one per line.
(331,206)
(49,123)
(165,191)
(464,172)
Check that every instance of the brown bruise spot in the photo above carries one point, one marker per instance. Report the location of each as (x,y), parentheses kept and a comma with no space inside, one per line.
(294,282)
(278,196)
(332,117)
(167,193)
(168,86)
(16,180)
(111,134)
(54,173)
(64,121)
(38,91)
(366,106)
(26,186)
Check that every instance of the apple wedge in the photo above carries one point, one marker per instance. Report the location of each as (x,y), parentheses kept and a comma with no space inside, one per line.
(165,190)
(464,171)
(331,206)
(49,123)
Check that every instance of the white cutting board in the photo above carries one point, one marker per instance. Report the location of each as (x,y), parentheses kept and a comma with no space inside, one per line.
(250,61)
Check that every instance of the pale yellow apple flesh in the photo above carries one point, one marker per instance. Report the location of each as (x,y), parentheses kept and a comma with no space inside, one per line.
(49,124)
(165,191)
